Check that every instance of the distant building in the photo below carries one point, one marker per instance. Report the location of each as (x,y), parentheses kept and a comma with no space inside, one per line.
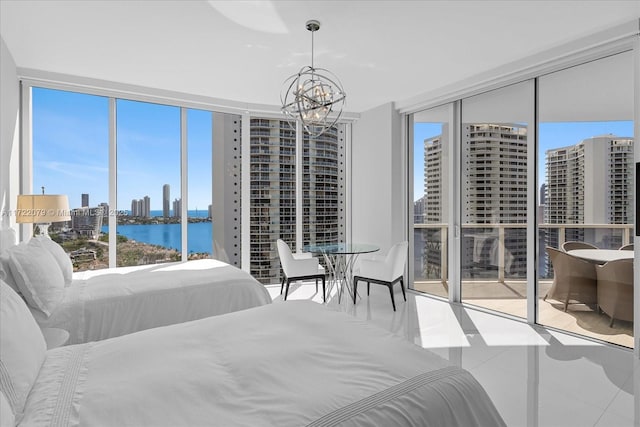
(166,206)
(105,210)
(87,221)
(210,211)
(590,182)
(85,200)
(141,207)
(146,207)
(177,208)
(494,177)
(418,211)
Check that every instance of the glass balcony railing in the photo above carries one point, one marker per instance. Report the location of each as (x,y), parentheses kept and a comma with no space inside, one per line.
(501,248)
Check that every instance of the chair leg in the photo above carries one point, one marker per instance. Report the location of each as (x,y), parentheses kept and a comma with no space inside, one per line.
(611,323)
(393,301)
(286,291)
(316,285)
(282,285)
(368,286)
(355,290)
(324,292)
(402,287)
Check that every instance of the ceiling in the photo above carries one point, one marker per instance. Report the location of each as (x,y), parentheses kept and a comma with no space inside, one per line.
(382,51)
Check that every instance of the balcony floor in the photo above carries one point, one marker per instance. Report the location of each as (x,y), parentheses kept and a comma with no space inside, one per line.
(535,376)
(510,298)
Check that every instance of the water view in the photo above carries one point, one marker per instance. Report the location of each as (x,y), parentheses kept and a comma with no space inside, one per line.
(199,234)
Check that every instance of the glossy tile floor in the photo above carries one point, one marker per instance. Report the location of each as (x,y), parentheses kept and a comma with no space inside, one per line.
(534,376)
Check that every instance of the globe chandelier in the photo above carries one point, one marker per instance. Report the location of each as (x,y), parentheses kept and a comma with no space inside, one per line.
(314,96)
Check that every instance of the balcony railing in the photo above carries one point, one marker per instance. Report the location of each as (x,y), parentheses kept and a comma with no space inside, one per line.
(504,243)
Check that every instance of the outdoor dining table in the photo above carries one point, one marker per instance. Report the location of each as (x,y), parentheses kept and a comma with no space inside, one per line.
(601,256)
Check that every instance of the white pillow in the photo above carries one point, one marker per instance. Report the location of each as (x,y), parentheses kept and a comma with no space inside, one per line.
(22,349)
(38,276)
(7,239)
(5,270)
(61,257)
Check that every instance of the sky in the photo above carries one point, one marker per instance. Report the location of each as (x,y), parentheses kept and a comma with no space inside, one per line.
(71,149)
(551,135)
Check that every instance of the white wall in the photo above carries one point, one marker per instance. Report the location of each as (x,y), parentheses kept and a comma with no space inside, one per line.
(9,136)
(378,188)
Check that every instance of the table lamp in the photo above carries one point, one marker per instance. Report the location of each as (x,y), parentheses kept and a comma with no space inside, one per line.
(42,210)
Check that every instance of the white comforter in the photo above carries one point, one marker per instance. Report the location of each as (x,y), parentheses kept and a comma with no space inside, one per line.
(107,303)
(291,364)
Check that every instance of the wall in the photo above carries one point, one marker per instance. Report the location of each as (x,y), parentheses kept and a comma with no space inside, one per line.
(377,182)
(9,136)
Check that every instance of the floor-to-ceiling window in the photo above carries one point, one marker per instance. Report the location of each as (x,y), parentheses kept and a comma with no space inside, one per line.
(586,194)
(496,136)
(148,177)
(164,171)
(431,188)
(580,121)
(70,133)
(199,161)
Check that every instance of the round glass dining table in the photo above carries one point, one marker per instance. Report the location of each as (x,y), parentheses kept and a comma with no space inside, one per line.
(340,259)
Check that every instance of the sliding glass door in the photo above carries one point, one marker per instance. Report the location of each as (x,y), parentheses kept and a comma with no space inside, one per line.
(586,194)
(432,150)
(496,137)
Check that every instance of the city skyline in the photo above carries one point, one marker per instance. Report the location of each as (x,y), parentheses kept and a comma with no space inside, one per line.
(71,149)
(550,136)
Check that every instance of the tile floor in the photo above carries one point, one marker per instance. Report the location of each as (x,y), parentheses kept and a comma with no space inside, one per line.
(535,377)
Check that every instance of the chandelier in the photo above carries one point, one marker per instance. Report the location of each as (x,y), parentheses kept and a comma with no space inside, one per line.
(313,95)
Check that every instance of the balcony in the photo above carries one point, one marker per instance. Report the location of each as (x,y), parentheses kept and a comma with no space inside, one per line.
(495,277)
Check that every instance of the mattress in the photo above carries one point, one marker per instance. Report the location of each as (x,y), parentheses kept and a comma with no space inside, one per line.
(107,303)
(292,364)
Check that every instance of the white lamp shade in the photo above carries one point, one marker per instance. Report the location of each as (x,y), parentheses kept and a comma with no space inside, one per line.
(42,208)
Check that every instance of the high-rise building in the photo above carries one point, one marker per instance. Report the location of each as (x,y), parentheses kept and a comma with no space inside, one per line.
(435,179)
(146,207)
(495,177)
(166,203)
(87,221)
(590,183)
(135,207)
(105,210)
(210,211)
(85,200)
(177,208)
(273,190)
(141,207)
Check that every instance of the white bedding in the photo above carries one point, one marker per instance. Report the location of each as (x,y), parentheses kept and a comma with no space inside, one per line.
(291,364)
(107,303)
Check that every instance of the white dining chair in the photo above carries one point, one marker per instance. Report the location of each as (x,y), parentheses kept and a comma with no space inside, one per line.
(384,270)
(299,267)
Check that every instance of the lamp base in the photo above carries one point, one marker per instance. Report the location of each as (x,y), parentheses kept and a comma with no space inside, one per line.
(43,229)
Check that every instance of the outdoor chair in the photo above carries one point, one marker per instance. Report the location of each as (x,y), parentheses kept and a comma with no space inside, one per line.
(615,289)
(569,246)
(574,279)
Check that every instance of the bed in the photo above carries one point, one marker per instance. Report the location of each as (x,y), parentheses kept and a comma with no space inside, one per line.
(297,363)
(100,304)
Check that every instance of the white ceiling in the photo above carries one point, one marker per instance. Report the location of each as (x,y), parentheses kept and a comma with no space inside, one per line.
(243,50)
